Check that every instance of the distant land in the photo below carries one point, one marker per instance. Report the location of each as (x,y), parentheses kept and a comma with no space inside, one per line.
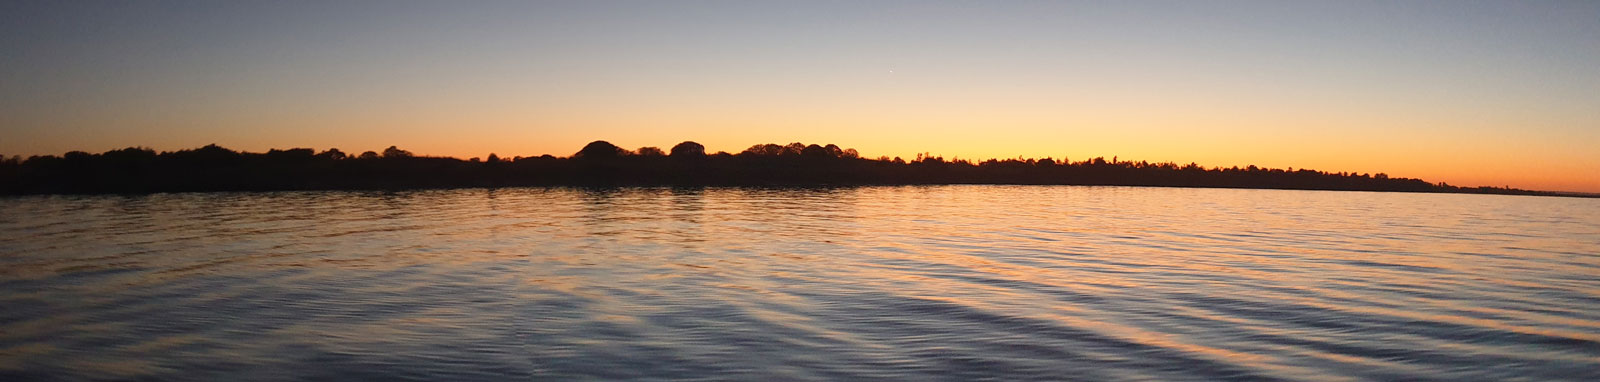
(214,168)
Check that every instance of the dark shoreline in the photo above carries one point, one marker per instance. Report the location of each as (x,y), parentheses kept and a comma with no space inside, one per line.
(747,186)
(600,164)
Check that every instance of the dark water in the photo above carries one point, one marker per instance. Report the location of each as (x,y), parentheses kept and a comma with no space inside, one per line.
(904,283)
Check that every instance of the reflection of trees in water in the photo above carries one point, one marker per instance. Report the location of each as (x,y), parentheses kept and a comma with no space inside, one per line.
(667,211)
(687,203)
(609,211)
(819,211)
(685,214)
(690,214)
(396,204)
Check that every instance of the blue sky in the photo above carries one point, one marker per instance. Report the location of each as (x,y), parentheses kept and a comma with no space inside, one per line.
(1495,93)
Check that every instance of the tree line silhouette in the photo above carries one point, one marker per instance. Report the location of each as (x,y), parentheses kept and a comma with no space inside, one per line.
(600,163)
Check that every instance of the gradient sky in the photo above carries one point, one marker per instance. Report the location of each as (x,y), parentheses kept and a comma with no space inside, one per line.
(1470,93)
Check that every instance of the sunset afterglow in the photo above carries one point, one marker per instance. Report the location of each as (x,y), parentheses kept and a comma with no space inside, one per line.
(1469,93)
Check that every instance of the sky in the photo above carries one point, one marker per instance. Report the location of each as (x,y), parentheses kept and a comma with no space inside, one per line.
(1503,93)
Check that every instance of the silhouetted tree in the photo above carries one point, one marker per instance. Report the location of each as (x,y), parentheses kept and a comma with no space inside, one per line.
(295,154)
(650,151)
(688,149)
(210,153)
(130,154)
(395,152)
(763,150)
(815,151)
(214,168)
(333,154)
(599,150)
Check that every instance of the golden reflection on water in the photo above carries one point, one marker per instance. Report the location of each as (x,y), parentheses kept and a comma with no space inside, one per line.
(898,282)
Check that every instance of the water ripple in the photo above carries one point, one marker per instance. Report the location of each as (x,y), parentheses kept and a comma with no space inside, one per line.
(890,283)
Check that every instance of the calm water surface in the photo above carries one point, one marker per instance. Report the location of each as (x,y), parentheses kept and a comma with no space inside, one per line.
(894,283)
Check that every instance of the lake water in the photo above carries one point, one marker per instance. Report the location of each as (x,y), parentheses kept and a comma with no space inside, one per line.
(878,283)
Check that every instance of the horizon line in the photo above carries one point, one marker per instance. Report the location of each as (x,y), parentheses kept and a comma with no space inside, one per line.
(1064,160)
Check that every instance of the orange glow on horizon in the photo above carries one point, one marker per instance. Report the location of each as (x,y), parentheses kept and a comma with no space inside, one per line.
(1510,105)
